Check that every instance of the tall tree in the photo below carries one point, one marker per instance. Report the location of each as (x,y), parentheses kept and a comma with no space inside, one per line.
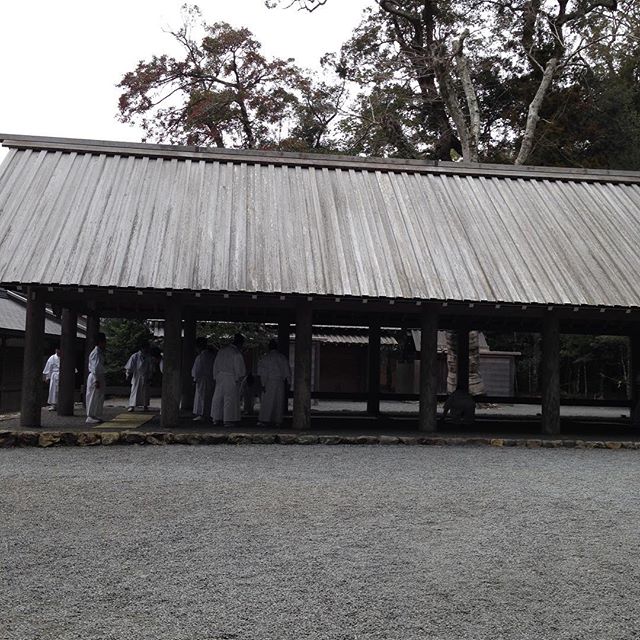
(475,73)
(223,91)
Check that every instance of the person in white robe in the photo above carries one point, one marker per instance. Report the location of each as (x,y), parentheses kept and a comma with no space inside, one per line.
(274,372)
(96,381)
(51,374)
(228,372)
(140,368)
(202,374)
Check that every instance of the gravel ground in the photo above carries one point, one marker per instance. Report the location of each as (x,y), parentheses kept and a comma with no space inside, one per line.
(295,542)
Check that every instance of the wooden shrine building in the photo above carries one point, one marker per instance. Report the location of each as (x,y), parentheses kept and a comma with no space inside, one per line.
(111,229)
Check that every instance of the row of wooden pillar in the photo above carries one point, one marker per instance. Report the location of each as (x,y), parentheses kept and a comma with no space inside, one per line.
(32,388)
(429,369)
(179,347)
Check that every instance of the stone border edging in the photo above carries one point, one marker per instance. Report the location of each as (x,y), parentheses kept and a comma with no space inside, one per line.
(9,439)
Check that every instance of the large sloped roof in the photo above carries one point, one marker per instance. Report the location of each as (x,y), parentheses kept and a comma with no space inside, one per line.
(90,213)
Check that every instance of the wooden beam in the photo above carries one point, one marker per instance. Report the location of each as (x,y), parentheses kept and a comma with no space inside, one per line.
(550,370)
(302,371)
(171,362)
(634,376)
(428,370)
(373,387)
(66,390)
(332,309)
(188,357)
(31,401)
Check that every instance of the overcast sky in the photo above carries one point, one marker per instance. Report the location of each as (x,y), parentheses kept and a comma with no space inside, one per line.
(60,60)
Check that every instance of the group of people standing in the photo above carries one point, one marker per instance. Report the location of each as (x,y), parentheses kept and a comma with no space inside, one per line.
(139,369)
(220,379)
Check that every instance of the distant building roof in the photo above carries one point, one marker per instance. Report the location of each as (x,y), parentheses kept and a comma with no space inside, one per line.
(353,335)
(328,335)
(13,314)
(95,213)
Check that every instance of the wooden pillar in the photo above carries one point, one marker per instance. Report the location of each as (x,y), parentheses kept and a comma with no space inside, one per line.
(3,360)
(302,372)
(634,378)
(171,363)
(550,370)
(31,402)
(634,367)
(188,356)
(463,358)
(428,370)
(373,386)
(284,333)
(67,380)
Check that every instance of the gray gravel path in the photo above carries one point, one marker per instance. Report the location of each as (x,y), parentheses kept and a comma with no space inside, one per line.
(291,542)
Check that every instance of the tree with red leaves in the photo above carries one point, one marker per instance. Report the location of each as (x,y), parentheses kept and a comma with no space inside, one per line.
(224,92)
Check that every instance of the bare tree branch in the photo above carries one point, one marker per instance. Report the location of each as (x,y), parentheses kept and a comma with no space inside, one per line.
(450,97)
(471,96)
(534,112)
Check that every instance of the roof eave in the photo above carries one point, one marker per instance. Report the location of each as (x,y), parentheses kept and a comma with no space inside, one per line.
(320,161)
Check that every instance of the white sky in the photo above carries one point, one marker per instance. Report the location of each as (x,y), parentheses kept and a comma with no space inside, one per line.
(61,59)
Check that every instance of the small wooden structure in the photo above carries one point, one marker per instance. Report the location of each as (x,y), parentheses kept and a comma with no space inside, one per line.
(340,355)
(133,230)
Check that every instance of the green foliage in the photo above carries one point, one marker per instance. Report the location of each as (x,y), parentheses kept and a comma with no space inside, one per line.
(594,366)
(402,61)
(220,334)
(590,366)
(123,338)
(383,93)
(594,122)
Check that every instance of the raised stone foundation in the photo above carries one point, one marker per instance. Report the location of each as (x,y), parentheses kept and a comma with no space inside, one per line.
(45,439)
